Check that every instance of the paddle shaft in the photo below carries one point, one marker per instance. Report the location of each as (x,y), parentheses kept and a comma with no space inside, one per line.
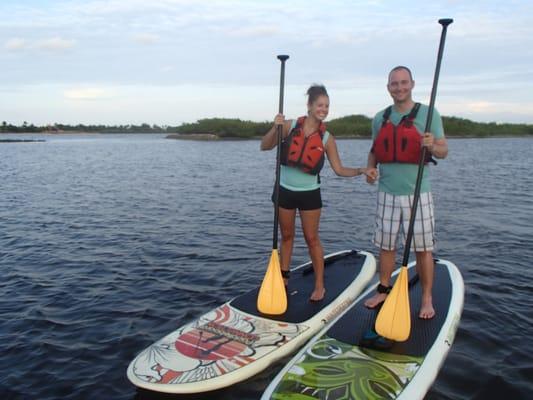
(282,58)
(444,22)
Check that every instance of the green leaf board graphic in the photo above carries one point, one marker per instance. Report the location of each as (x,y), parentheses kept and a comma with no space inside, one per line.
(333,370)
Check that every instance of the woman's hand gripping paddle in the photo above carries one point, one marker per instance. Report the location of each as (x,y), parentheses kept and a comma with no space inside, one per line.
(272,298)
(394,318)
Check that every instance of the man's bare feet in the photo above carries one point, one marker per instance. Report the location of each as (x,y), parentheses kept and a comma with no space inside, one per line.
(379,297)
(318,294)
(426,310)
(286,274)
(375,300)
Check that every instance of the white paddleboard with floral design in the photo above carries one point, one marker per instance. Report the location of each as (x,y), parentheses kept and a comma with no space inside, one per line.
(235,341)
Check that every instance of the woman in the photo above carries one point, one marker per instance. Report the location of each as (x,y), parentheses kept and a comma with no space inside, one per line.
(304,143)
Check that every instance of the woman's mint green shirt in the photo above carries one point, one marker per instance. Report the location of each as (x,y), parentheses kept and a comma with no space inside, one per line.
(296,180)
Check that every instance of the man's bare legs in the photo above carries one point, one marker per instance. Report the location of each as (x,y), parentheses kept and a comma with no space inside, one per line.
(425,268)
(387,259)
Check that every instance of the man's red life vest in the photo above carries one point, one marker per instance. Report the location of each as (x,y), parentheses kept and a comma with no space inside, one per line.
(304,153)
(401,143)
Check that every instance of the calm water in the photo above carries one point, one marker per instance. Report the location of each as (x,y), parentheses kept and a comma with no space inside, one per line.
(108,243)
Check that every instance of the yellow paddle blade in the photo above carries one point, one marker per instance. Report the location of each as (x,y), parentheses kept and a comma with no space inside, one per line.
(394,318)
(272,298)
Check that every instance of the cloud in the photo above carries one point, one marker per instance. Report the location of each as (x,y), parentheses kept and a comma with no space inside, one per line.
(55,44)
(487,111)
(482,106)
(14,44)
(167,68)
(145,38)
(487,107)
(86,94)
(256,31)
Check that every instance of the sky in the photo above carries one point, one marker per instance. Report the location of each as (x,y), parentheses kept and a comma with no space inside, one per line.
(169,62)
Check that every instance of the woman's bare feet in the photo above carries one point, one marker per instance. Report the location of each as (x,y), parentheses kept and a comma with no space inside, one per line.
(426,310)
(318,294)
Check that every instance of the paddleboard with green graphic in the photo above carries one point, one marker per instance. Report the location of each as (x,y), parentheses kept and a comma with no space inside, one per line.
(348,360)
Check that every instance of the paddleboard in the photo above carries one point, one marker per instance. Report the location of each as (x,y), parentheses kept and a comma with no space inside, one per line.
(235,341)
(347,360)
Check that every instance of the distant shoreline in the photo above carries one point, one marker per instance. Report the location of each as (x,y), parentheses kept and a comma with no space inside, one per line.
(61,133)
(215,137)
(21,140)
(354,126)
(212,137)
(193,136)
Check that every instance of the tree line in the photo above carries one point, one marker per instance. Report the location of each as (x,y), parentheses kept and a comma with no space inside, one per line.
(349,126)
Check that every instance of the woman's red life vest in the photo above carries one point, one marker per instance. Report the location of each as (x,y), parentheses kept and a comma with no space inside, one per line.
(401,143)
(304,153)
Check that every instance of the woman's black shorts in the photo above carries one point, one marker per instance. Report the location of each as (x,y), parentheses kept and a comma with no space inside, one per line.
(305,200)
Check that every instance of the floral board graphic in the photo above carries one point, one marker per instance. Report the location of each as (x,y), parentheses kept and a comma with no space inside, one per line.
(219,342)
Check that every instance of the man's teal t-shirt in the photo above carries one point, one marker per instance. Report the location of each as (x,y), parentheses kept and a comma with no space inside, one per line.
(400,178)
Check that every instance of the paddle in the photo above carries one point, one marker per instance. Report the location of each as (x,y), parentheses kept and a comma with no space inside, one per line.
(272,298)
(394,318)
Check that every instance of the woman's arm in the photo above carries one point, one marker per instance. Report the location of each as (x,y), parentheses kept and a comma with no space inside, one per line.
(270,140)
(336,164)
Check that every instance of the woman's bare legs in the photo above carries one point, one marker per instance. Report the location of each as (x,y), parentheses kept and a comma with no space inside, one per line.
(310,221)
(287,226)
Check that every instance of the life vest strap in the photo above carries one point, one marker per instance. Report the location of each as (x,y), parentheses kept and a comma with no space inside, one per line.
(409,117)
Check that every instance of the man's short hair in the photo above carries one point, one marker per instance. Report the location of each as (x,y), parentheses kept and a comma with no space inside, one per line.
(398,67)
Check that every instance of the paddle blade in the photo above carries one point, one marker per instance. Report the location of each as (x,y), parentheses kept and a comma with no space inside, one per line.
(272,298)
(394,318)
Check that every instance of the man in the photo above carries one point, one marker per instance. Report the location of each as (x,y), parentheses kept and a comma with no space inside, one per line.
(397,140)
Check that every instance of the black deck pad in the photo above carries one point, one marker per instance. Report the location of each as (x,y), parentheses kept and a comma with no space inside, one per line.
(339,272)
(358,320)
